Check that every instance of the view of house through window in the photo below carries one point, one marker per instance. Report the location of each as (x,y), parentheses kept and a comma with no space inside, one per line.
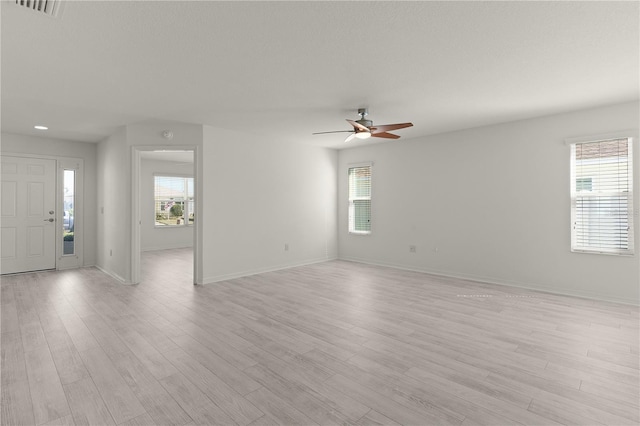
(360,200)
(174,201)
(68,200)
(602,197)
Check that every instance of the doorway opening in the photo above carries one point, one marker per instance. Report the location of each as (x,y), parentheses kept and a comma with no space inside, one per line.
(165,218)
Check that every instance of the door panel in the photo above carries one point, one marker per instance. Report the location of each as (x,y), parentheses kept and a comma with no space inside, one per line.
(9,238)
(9,198)
(35,241)
(28,214)
(35,199)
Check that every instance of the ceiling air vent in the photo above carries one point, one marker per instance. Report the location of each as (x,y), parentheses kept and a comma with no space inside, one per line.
(47,7)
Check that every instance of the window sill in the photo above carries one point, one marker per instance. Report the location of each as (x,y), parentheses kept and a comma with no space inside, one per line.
(359,234)
(607,253)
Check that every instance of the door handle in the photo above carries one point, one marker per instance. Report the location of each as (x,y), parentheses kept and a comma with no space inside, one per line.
(50,220)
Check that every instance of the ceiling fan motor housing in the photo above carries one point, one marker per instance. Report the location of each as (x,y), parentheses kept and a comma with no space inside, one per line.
(362,112)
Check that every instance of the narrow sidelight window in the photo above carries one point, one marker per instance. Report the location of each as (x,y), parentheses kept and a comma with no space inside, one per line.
(68,219)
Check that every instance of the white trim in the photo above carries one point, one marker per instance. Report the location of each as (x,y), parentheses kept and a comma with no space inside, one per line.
(198,237)
(114,276)
(182,175)
(76,260)
(370,199)
(136,170)
(622,134)
(44,156)
(605,252)
(247,273)
(575,248)
(167,247)
(359,164)
(359,233)
(171,175)
(181,226)
(497,281)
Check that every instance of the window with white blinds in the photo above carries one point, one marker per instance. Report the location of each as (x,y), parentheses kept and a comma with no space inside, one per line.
(602,197)
(174,201)
(360,200)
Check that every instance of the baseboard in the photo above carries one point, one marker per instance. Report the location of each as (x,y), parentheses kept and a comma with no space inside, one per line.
(114,275)
(226,277)
(157,248)
(495,281)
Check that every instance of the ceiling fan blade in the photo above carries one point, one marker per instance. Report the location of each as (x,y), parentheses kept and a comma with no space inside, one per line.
(350,138)
(387,127)
(334,131)
(385,135)
(358,125)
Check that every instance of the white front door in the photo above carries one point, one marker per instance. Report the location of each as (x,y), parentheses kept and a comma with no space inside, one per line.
(28,227)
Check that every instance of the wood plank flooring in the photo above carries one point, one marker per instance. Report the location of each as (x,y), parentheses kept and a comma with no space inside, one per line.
(330,343)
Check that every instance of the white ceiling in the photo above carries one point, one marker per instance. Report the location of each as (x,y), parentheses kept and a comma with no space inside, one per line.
(287,69)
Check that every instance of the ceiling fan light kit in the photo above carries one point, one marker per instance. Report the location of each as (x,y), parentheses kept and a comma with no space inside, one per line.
(364,129)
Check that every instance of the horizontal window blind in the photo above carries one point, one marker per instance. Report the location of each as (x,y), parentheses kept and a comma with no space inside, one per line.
(360,200)
(602,196)
(170,187)
(174,200)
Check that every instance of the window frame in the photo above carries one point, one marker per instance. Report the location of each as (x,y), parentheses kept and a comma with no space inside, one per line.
(629,194)
(185,201)
(350,204)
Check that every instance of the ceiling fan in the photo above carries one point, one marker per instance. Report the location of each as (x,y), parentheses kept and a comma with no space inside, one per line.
(363,128)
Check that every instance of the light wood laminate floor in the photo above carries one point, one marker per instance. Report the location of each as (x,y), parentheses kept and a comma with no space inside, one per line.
(330,343)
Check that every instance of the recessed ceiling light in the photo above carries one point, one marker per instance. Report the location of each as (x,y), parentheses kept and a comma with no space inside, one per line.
(41,127)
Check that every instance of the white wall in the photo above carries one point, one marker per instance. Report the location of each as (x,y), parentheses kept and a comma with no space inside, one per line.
(160,238)
(21,144)
(115,183)
(114,204)
(260,195)
(490,204)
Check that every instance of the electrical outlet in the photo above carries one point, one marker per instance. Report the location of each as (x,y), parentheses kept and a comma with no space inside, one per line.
(412,249)
(110,252)
(286,247)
